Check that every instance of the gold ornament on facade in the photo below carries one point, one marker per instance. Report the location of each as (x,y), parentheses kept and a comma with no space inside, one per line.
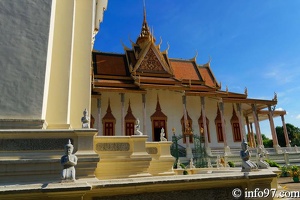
(188,131)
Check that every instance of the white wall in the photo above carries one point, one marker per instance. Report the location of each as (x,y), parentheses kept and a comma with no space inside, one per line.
(171,105)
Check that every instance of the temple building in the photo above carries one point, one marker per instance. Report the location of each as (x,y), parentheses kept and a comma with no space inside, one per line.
(68,128)
(179,95)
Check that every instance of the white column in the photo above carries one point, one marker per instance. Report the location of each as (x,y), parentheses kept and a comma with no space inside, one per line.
(59,66)
(122,113)
(204,125)
(80,85)
(144,114)
(239,114)
(221,107)
(204,121)
(272,126)
(257,128)
(252,136)
(248,131)
(185,123)
(99,116)
(287,140)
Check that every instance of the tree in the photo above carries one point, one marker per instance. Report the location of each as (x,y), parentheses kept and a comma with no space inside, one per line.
(293,134)
(267,142)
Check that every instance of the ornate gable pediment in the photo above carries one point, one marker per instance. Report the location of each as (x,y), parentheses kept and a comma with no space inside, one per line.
(151,63)
(151,60)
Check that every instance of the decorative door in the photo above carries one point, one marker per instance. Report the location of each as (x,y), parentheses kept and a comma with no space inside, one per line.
(157,126)
(129,128)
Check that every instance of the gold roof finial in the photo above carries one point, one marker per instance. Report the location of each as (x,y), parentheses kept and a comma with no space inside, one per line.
(145,28)
(275,96)
(145,32)
(160,42)
(168,47)
(209,61)
(195,57)
(144,4)
(246,91)
(124,46)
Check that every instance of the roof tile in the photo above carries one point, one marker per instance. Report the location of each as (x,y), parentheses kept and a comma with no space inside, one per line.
(111,64)
(184,70)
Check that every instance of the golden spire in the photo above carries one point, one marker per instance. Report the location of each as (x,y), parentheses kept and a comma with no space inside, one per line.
(145,34)
(145,28)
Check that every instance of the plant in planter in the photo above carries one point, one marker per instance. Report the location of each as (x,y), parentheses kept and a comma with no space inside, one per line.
(178,165)
(231,164)
(284,171)
(185,172)
(294,172)
(272,163)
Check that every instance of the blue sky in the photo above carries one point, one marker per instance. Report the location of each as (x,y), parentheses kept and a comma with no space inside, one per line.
(252,43)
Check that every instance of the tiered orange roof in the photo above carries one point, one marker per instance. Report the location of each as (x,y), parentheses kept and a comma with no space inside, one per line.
(110,64)
(185,69)
(145,66)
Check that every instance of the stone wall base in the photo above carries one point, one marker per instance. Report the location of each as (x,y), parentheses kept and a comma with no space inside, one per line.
(28,156)
(198,186)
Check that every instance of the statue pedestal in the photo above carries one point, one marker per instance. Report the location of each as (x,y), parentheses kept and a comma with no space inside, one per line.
(87,157)
(122,156)
(162,160)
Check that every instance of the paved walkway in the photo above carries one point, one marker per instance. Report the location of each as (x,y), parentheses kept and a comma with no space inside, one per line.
(287,184)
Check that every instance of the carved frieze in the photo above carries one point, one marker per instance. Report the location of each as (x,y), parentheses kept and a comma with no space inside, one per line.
(112,146)
(151,150)
(32,144)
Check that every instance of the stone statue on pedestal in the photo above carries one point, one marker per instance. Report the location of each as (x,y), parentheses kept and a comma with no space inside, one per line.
(262,164)
(218,161)
(162,135)
(137,128)
(85,119)
(209,165)
(247,164)
(192,164)
(178,164)
(68,161)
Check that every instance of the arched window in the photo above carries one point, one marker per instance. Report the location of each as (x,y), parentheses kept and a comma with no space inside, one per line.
(109,128)
(129,122)
(219,129)
(235,125)
(159,121)
(108,122)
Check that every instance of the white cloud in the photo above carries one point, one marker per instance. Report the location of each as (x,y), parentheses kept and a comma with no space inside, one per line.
(279,109)
(298,116)
(282,72)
